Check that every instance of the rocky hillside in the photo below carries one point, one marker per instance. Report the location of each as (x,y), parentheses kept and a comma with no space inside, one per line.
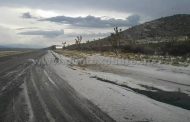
(172,26)
(168,35)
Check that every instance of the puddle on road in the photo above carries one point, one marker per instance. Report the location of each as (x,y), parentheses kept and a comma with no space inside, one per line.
(175,98)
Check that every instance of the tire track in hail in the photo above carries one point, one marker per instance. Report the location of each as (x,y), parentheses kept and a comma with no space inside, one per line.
(43,104)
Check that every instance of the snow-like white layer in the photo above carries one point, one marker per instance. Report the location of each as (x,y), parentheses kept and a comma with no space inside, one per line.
(121,104)
(170,77)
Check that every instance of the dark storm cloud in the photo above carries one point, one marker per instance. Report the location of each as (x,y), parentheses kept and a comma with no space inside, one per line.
(27,28)
(151,8)
(98,22)
(50,34)
(27,15)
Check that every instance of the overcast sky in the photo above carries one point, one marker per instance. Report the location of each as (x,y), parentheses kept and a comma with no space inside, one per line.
(40,23)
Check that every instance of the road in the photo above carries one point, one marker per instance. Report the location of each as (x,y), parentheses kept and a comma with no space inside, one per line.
(32,92)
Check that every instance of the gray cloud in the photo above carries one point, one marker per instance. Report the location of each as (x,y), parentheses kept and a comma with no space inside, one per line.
(97,22)
(27,15)
(152,8)
(50,34)
(27,28)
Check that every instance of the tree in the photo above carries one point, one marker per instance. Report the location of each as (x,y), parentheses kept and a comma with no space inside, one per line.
(64,44)
(115,39)
(87,41)
(78,41)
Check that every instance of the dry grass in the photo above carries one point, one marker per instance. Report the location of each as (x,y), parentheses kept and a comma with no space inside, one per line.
(74,53)
(171,60)
(9,53)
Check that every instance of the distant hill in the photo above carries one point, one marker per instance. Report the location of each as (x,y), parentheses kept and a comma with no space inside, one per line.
(20,47)
(1,47)
(12,48)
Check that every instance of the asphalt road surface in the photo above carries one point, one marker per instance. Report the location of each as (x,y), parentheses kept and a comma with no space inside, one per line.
(30,92)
